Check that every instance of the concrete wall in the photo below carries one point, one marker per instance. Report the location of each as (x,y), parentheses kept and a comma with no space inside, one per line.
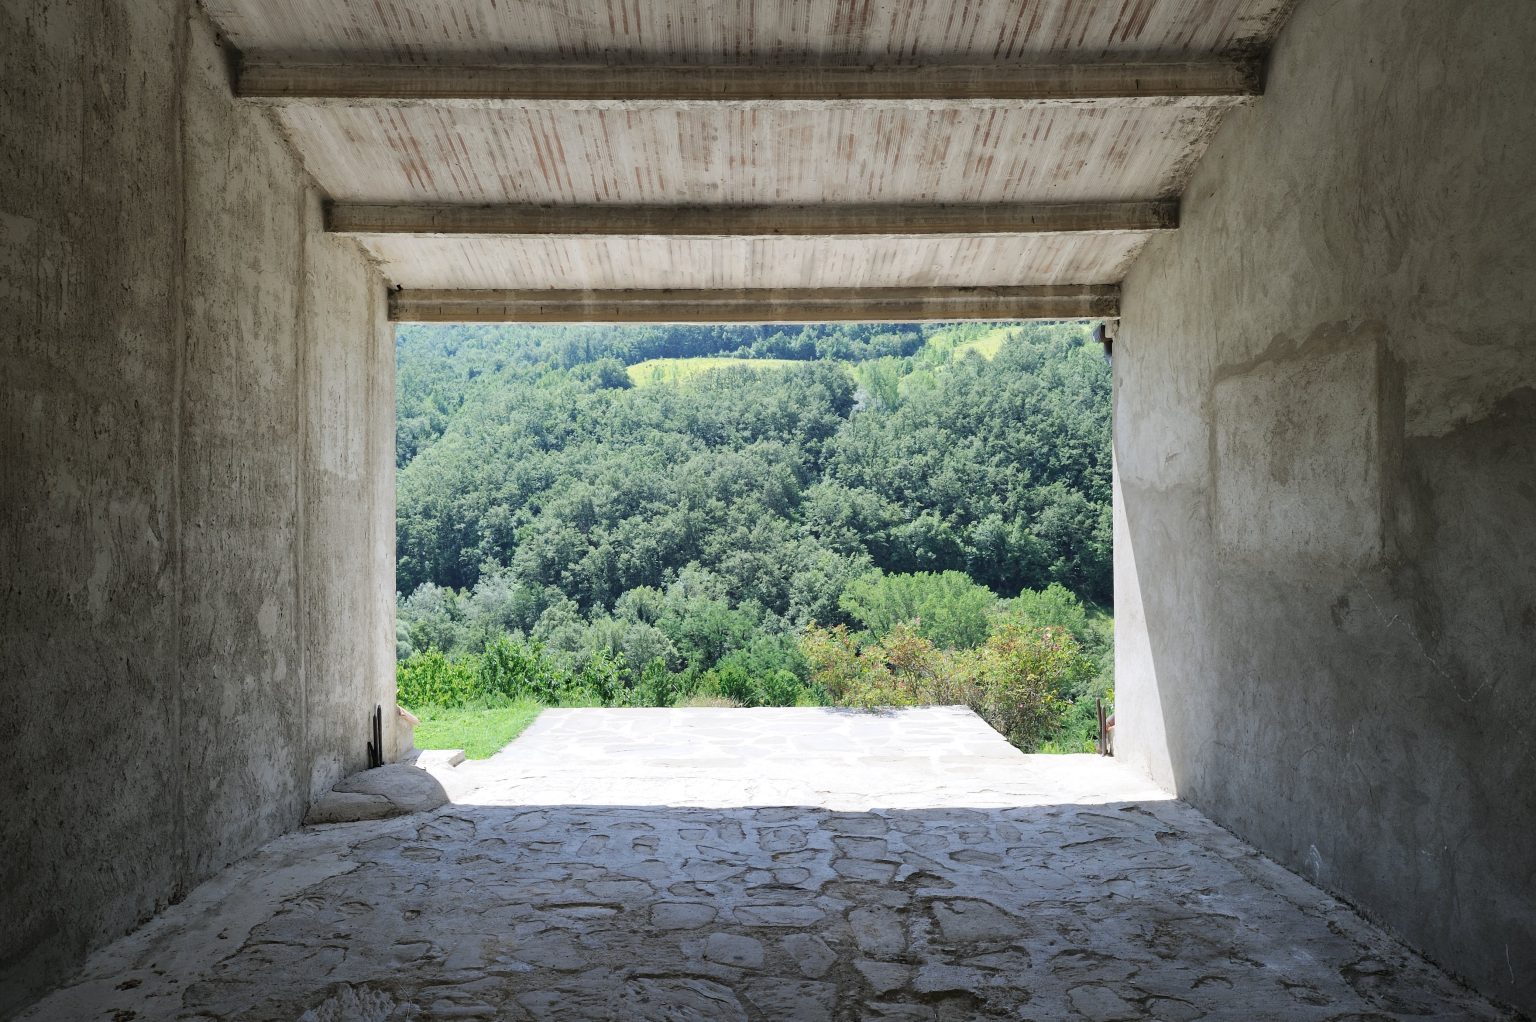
(1325,541)
(196,431)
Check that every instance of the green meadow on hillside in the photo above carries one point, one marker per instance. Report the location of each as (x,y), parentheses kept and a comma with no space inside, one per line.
(953,343)
(679,370)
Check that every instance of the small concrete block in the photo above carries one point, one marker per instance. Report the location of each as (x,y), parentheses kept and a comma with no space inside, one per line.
(441,759)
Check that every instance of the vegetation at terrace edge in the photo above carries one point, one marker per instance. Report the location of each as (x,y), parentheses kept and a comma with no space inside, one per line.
(855,514)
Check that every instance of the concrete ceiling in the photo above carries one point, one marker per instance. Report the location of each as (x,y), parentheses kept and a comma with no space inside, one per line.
(741,31)
(837,104)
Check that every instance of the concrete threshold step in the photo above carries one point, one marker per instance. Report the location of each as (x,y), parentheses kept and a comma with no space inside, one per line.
(439,759)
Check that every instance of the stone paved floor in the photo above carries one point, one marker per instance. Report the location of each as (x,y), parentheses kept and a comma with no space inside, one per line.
(765,864)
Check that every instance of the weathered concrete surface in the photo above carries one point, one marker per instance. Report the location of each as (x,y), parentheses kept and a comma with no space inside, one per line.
(195,451)
(89,368)
(927,870)
(1325,445)
(349,503)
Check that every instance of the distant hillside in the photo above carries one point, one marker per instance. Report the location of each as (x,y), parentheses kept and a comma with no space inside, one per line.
(516,456)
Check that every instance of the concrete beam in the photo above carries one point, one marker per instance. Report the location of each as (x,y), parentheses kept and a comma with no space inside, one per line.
(759,305)
(752,221)
(1216,80)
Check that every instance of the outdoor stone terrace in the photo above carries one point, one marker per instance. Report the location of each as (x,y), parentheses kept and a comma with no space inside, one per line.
(721,864)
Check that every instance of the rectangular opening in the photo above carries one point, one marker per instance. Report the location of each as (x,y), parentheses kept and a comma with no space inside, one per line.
(836,514)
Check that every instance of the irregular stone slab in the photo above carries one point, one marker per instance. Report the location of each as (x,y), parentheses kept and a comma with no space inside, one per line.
(883,977)
(866,869)
(1101,1004)
(798,1000)
(779,915)
(810,953)
(734,949)
(681,915)
(966,920)
(666,999)
(394,789)
(880,931)
(862,847)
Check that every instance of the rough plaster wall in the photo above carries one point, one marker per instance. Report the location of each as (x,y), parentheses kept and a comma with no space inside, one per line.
(196,455)
(243,709)
(1325,537)
(88,498)
(349,563)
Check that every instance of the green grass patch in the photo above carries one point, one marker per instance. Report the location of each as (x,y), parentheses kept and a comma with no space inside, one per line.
(680,370)
(988,346)
(961,340)
(958,341)
(480,731)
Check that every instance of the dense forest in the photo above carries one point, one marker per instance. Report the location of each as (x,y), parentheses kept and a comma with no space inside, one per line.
(757,515)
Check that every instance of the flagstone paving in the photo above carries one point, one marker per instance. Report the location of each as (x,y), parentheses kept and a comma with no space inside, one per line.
(765,864)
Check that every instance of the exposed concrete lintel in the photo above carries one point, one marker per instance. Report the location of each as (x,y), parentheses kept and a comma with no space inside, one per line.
(1227,80)
(762,305)
(893,219)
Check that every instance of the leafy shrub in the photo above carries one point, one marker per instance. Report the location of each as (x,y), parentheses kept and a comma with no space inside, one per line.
(430,678)
(514,669)
(506,670)
(768,672)
(946,608)
(891,672)
(605,675)
(779,688)
(705,629)
(812,694)
(1018,681)
(737,685)
(1079,727)
(1055,606)
(657,685)
(429,619)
